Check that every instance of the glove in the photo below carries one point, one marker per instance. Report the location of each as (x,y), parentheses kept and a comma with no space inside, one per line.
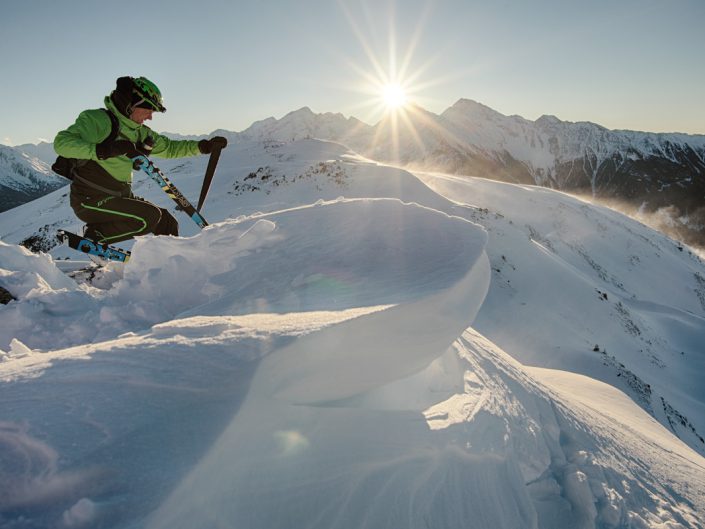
(208,146)
(115,148)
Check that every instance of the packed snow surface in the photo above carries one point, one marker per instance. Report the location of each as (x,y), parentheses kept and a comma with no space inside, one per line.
(428,351)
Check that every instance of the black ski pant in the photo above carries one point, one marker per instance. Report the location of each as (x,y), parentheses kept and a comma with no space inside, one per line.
(114,219)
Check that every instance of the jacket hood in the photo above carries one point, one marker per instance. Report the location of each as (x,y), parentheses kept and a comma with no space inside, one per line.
(115,109)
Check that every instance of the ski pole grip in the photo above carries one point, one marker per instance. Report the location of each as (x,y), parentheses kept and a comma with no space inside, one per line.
(145,147)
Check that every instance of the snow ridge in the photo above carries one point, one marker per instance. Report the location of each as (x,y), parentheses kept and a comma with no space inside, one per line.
(317,369)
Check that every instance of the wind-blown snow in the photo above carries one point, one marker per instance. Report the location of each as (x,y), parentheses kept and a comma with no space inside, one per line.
(308,360)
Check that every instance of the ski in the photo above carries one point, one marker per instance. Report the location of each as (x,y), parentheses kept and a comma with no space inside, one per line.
(143,163)
(80,243)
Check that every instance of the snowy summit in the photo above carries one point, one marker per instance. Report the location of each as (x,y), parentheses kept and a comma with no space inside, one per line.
(352,345)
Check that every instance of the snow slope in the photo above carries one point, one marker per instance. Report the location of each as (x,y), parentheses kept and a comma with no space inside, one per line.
(624,304)
(24,178)
(308,360)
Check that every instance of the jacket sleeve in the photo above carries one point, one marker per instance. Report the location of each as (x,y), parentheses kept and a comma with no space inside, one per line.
(166,148)
(79,140)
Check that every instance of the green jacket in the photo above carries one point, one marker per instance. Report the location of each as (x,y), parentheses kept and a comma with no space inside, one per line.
(93,126)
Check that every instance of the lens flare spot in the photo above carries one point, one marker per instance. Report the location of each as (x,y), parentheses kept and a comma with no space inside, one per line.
(291,442)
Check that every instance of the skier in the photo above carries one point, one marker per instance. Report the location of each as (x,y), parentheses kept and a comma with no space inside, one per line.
(101,144)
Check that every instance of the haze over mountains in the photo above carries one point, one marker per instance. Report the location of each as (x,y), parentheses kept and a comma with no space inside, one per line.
(645,173)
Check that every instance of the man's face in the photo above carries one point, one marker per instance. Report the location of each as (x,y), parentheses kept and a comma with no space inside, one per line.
(140,115)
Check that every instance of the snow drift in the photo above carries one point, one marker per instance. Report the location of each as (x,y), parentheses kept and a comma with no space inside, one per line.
(327,262)
(310,362)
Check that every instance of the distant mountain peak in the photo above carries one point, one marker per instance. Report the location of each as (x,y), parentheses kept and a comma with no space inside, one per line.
(304,123)
(469,103)
(303,111)
(548,119)
(472,106)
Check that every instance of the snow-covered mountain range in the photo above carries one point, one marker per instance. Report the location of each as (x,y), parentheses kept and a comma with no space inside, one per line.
(639,171)
(471,138)
(43,151)
(657,176)
(353,345)
(24,178)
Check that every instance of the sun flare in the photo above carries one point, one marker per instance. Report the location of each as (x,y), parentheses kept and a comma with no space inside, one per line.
(396,84)
(394,96)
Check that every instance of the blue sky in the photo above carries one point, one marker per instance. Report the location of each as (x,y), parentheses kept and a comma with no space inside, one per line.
(625,64)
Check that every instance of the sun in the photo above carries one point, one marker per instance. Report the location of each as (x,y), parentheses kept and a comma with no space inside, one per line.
(394,96)
(396,82)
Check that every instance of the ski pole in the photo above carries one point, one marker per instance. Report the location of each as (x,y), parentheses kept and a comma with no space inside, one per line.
(143,163)
(210,171)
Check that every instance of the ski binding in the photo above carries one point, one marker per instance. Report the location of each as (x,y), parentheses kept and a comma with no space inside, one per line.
(82,244)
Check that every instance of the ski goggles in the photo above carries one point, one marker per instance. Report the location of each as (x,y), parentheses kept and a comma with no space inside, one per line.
(144,102)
